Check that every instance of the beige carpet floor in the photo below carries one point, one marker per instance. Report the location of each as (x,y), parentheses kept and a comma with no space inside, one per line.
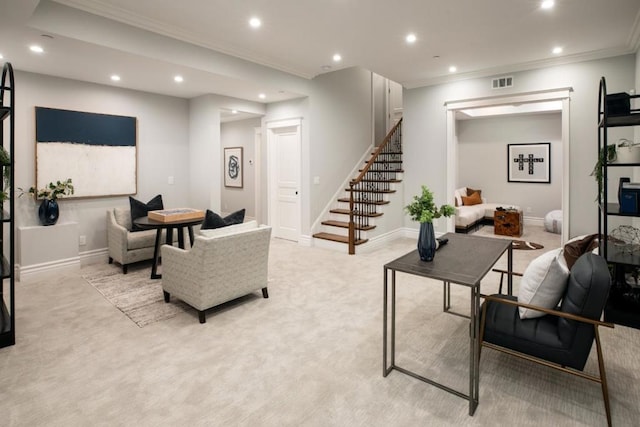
(310,355)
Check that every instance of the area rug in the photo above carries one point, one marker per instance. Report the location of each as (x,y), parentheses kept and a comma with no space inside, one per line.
(135,294)
(522,245)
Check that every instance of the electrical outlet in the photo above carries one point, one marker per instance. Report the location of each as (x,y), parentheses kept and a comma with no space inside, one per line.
(170,180)
(82,240)
(528,209)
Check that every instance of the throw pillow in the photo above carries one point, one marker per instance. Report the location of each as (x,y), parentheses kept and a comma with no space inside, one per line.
(213,220)
(543,283)
(139,209)
(473,199)
(577,246)
(458,195)
(470,191)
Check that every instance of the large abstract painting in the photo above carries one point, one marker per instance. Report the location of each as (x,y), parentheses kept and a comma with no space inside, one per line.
(529,162)
(97,151)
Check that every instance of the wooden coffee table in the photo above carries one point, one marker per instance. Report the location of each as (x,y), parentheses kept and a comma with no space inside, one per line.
(508,222)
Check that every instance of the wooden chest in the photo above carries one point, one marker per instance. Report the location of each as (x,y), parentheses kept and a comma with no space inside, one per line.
(508,223)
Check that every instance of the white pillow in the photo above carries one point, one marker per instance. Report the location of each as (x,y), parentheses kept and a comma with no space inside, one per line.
(543,283)
(458,195)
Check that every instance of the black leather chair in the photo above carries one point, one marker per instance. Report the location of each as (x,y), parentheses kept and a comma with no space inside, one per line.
(561,339)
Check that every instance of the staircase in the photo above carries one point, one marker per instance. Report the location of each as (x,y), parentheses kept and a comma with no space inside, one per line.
(367,193)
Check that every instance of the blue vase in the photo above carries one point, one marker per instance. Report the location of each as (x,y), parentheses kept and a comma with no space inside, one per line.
(48,212)
(426,242)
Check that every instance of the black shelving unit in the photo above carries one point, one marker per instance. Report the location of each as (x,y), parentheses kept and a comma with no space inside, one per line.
(623,306)
(7,228)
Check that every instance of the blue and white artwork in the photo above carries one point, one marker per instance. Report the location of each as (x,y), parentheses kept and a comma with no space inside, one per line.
(97,151)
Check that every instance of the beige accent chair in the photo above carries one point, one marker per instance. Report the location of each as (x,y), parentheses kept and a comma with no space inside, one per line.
(223,264)
(126,247)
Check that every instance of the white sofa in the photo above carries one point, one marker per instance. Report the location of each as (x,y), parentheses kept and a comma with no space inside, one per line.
(223,264)
(470,217)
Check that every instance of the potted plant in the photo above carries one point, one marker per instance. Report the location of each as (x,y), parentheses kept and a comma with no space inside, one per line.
(607,155)
(424,210)
(5,164)
(48,210)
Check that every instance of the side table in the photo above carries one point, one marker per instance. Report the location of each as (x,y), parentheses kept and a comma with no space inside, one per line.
(508,222)
(146,222)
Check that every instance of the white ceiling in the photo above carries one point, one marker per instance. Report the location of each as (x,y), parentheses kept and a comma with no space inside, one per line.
(210,43)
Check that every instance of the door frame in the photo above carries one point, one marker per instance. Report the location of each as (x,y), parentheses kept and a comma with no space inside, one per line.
(561,94)
(272,129)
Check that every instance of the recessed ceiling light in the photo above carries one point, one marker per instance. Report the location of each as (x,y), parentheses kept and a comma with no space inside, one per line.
(453,69)
(115,78)
(262,96)
(35,48)
(1,56)
(234,111)
(547,4)
(557,50)
(411,38)
(255,22)
(337,57)
(178,79)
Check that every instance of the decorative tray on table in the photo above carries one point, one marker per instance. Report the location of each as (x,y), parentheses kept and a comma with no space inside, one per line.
(176,214)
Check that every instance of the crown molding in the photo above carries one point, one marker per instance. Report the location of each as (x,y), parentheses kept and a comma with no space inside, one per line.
(524,66)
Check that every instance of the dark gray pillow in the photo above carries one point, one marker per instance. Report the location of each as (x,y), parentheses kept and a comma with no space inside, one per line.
(213,220)
(139,209)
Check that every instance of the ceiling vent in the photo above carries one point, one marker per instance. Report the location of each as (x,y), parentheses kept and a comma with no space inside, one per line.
(502,82)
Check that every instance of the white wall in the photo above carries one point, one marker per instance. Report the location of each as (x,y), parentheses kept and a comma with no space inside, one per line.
(482,159)
(163,137)
(425,137)
(205,153)
(240,133)
(342,129)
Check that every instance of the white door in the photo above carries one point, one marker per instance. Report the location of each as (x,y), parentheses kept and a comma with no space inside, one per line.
(284,183)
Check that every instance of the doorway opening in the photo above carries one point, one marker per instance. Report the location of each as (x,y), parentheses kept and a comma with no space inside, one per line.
(553,100)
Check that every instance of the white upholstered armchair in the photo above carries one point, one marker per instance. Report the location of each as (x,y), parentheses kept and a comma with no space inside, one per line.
(126,247)
(223,264)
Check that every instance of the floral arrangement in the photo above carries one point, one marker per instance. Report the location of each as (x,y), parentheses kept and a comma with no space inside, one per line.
(423,209)
(51,191)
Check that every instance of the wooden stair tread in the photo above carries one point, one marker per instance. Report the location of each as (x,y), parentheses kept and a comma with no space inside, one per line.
(338,238)
(367,202)
(343,224)
(393,181)
(384,170)
(389,153)
(346,212)
(371,191)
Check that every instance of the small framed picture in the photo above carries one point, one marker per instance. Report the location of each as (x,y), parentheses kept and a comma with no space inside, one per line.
(529,162)
(233,167)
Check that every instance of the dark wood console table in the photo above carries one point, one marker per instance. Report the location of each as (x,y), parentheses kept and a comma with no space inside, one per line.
(465,260)
(180,225)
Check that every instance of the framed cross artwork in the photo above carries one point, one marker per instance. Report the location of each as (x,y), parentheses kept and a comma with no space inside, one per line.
(233,167)
(529,162)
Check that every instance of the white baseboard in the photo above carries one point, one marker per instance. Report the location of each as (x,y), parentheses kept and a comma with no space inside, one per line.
(39,271)
(305,240)
(530,220)
(95,256)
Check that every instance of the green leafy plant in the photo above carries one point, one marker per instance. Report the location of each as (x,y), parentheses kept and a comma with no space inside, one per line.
(607,155)
(51,191)
(423,209)
(5,164)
